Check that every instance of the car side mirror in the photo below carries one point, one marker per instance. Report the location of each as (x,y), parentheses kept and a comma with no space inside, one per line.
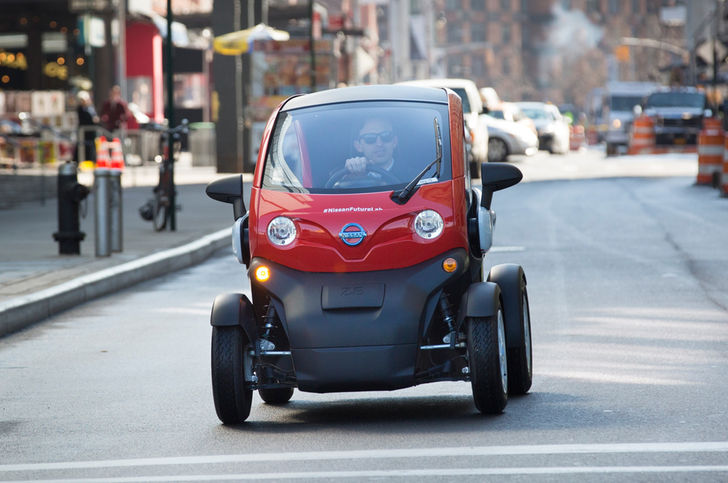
(228,190)
(497,176)
(708,113)
(637,110)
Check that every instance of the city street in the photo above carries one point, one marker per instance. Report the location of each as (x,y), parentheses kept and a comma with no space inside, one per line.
(625,260)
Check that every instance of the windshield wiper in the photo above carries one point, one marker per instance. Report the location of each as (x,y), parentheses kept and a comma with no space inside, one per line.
(403,196)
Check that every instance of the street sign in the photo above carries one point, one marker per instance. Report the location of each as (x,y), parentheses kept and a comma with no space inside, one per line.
(80,6)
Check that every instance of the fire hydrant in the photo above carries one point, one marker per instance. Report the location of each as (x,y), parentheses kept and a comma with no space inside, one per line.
(70,195)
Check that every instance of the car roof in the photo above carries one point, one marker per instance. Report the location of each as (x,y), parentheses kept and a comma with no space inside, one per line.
(443,82)
(368,93)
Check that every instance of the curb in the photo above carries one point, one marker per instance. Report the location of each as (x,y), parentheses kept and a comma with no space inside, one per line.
(20,312)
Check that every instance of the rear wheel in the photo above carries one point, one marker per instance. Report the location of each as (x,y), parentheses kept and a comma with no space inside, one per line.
(488,362)
(231,366)
(161,205)
(512,281)
(520,363)
(277,395)
(497,150)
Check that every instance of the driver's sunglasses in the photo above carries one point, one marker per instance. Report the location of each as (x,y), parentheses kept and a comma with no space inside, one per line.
(371,138)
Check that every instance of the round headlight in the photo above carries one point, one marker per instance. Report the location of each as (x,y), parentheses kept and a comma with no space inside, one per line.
(428,224)
(281,231)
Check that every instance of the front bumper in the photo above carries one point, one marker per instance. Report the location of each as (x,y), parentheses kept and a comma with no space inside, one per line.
(357,331)
(676,135)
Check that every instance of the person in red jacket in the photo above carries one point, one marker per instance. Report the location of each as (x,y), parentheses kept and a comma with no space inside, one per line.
(115,113)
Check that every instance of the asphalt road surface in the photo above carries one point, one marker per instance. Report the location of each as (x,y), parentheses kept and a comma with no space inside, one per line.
(629,297)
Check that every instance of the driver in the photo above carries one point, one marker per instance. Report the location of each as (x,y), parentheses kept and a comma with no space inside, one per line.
(376,142)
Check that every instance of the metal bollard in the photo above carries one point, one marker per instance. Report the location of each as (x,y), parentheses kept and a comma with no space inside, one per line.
(115,208)
(102,211)
(117,165)
(70,195)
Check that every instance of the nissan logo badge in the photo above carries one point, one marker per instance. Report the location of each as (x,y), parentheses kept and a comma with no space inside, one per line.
(352,234)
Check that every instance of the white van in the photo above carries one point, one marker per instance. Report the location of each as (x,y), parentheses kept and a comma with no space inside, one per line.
(617,111)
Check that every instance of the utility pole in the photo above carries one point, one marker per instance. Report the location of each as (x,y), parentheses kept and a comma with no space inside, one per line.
(170,120)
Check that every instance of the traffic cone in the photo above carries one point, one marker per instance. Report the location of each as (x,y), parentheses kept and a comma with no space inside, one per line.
(117,155)
(102,153)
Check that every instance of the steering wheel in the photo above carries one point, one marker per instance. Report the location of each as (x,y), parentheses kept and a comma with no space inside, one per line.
(343,178)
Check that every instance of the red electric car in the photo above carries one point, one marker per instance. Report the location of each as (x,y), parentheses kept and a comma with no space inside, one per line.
(368,279)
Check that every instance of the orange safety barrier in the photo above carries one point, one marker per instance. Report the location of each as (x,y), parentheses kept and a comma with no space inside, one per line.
(117,155)
(642,136)
(711,152)
(577,137)
(102,153)
(723,183)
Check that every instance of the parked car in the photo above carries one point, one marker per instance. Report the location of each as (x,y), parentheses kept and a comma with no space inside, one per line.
(490,98)
(677,114)
(510,111)
(472,113)
(507,137)
(367,281)
(552,127)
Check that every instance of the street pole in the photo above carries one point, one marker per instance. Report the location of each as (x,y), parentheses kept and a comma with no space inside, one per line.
(311,46)
(170,121)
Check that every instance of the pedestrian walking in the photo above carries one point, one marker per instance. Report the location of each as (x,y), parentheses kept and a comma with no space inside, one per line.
(87,118)
(115,113)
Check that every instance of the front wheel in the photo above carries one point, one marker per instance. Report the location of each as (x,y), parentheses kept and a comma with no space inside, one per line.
(488,362)
(231,367)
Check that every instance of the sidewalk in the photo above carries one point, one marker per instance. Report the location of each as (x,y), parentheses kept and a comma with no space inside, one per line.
(36,282)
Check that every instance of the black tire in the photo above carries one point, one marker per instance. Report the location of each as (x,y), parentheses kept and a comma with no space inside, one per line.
(520,359)
(488,369)
(512,282)
(230,391)
(161,205)
(611,149)
(279,395)
(497,150)
(474,167)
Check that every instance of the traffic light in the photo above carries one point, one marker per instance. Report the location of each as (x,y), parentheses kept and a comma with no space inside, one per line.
(621,52)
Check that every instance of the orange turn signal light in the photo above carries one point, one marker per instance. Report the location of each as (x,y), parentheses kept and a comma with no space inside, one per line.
(449,265)
(262,273)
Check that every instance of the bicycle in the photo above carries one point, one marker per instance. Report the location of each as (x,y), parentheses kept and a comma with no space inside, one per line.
(158,210)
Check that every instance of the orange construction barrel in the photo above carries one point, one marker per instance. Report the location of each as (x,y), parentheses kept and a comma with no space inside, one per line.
(711,151)
(642,136)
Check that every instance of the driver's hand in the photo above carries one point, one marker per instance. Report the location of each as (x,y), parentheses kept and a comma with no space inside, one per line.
(356,165)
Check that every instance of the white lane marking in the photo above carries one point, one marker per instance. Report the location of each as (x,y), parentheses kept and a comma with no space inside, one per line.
(507,249)
(309,475)
(674,447)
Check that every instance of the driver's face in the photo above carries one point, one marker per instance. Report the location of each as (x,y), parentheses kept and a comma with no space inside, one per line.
(376,141)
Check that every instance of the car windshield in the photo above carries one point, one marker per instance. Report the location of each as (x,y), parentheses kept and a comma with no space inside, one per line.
(536,113)
(309,147)
(625,103)
(694,100)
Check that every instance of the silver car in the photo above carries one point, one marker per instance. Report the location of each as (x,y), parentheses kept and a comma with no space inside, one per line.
(552,127)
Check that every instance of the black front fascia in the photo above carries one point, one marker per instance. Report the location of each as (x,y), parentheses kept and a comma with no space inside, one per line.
(407,302)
